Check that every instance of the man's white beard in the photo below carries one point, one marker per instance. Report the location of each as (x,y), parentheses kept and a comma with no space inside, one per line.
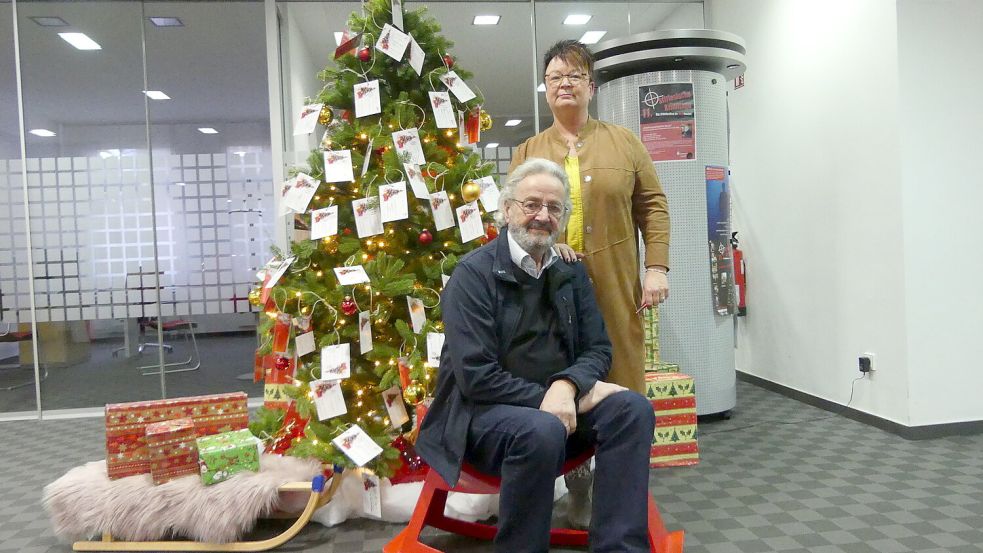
(535,245)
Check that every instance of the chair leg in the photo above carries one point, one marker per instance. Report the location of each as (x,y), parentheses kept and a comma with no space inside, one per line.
(408,540)
(195,356)
(660,539)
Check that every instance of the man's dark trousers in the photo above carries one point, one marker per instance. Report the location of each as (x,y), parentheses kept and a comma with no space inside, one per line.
(526,447)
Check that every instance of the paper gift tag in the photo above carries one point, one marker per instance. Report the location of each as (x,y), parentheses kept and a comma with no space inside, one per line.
(444,278)
(417,183)
(469,219)
(367,100)
(418,314)
(285,189)
(489,194)
(336,362)
(392,42)
(324,222)
(368,219)
(338,166)
(443,110)
(372,498)
(357,445)
(435,342)
(300,195)
(304,344)
(408,143)
(328,399)
(364,332)
(393,397)
(368,157)
(354,274)
(326,140)
(278,272)
(308,119)
(416,56)
(457,86)
(440,205)
(392,201)
(348,44)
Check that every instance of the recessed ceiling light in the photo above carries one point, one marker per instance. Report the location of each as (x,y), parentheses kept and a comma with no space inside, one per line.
(591,37)
(166,21)
(42,132)
(541,87)
(491,145)
(207,130)
(486,19)
(576,19)
(50,21)
(512,122)
(156,95)
(80,41)
(182,184)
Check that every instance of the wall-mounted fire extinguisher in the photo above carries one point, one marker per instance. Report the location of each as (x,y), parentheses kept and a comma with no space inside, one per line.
(740,275)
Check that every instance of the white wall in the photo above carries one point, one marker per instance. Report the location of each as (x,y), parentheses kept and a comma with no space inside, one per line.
(300,82)
(941,117)
(818,197)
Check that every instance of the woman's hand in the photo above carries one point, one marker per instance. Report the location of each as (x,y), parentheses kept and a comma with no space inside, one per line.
(567,253)
(655,288)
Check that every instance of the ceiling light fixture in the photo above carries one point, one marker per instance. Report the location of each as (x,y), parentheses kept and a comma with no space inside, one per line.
(50,21)
(156,95)
(166,21)
(576,19)
(491,145)
(207,130)
(512,122)
(42,132)
(592,37)
(80,41)
(486,20)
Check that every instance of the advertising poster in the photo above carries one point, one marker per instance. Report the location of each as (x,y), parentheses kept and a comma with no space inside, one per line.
(667,121)
(718,240)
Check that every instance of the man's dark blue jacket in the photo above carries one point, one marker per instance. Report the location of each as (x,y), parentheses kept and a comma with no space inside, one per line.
(481,308)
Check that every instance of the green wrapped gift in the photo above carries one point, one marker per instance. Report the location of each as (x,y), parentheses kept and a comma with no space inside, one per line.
(660,367)
(222,455)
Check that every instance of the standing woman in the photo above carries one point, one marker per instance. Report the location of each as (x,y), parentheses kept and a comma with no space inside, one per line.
(616,194)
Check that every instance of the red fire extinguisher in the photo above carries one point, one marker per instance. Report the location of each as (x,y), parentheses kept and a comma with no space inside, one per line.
(740,275)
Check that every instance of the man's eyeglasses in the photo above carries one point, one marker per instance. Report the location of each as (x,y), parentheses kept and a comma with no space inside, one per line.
(554,79)
(533,207)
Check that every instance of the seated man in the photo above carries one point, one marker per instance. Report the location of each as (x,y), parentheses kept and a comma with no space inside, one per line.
(521,384)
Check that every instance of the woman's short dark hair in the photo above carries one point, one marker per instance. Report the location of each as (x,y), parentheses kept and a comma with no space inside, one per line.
(572,52)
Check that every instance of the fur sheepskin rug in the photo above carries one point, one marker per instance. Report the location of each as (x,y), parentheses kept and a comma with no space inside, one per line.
(85,502)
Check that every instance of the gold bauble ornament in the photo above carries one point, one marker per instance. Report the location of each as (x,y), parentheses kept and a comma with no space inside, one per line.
(484,120)
(254,296)
(414,393)
(470,191)
(326,116)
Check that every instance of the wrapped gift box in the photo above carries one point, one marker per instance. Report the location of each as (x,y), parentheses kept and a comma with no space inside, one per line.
(172,449)
(660,367)
(673,396)
(650,325)
(126,425)
(222,455)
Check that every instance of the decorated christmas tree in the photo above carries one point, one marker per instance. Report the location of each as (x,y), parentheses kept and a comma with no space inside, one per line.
(351,333)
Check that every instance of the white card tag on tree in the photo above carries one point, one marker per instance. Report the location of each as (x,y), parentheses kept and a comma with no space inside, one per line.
(443,110)
(393,397)
(350,275)
(324,222)
(435,342)
(489,194)
(457,86)
(372,498)
(278,271)
(392,42)
(328,399)
(392,198)
(338,166)
(397,13)
(285,189)
(408,142)
(368,220)
(308,119)
(469,219)
(416,56)
(303,190)
(357,445)
(367,101)
(305,343)
(440,205)
(336,362)
(418,313)
(444,278)
(368,157)
(364,332)
(417,183)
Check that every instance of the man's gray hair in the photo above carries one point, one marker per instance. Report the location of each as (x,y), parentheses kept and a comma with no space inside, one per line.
(529,167)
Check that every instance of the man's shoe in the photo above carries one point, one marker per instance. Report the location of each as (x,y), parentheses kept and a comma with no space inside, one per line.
(579,483)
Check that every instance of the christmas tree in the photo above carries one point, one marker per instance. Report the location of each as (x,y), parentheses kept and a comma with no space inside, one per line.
(351,326)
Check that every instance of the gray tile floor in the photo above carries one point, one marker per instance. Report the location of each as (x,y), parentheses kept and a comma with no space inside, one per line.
(778,476)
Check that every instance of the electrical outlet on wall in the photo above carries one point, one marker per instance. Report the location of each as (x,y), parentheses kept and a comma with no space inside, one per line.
(866,362)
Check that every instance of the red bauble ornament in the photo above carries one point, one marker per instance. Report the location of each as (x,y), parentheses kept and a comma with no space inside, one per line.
(348,306)
(412,468)
(448,61)
(364,54)
(425,238)
(491,231)
(347,231)
(281,363)
(293,428)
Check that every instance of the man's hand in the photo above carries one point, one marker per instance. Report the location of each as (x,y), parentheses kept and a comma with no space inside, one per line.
(567,253)
(597,394)
(559,400)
